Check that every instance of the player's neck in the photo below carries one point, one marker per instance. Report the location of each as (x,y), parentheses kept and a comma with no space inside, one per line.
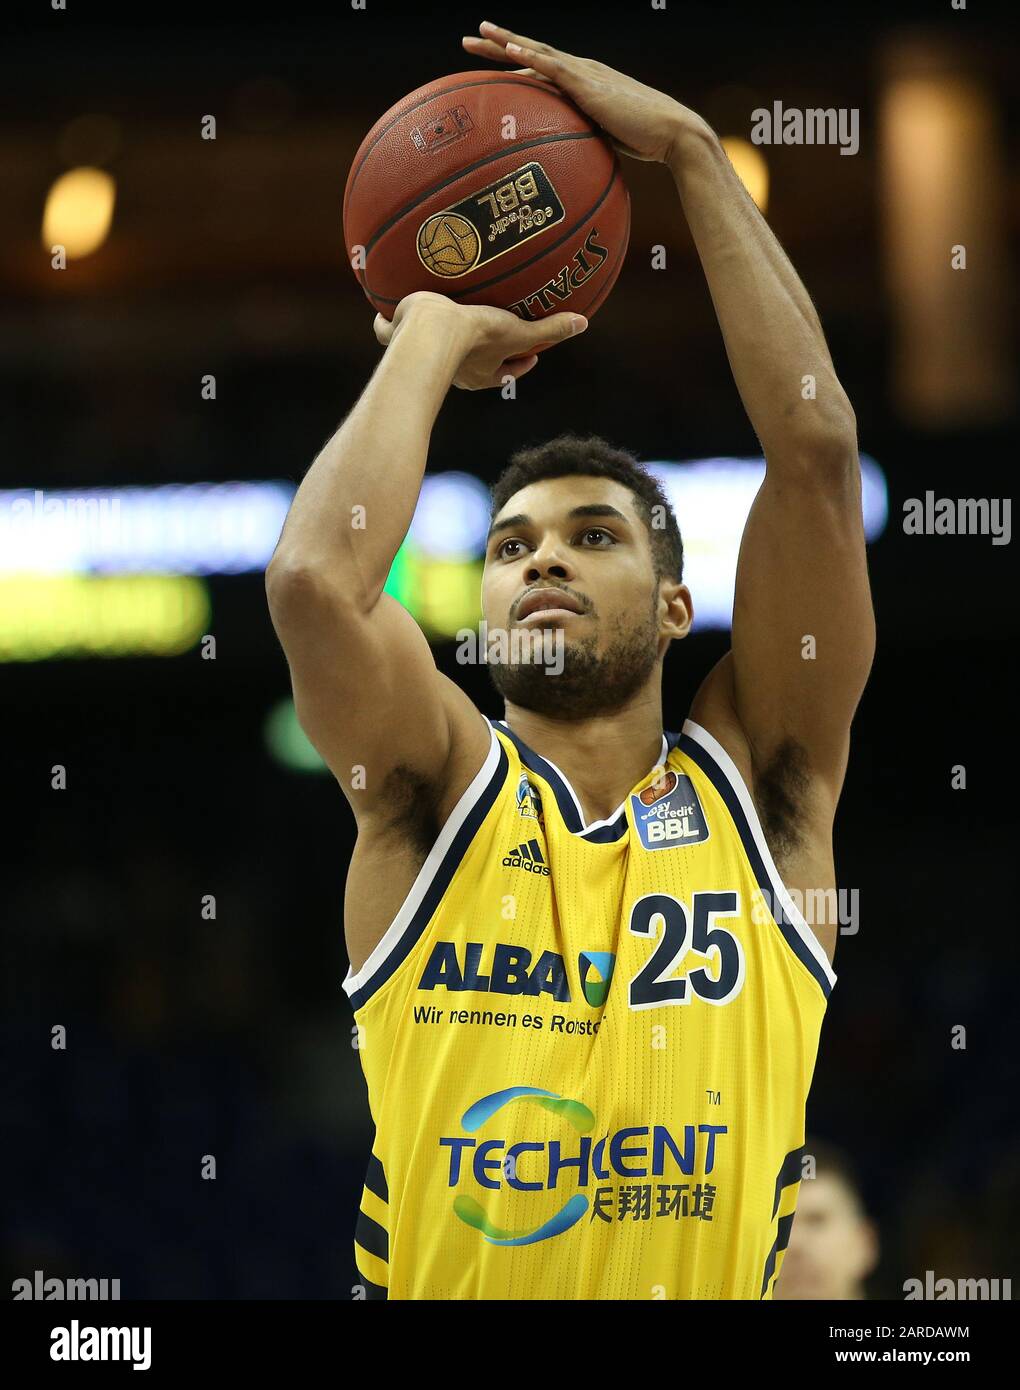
(604,757)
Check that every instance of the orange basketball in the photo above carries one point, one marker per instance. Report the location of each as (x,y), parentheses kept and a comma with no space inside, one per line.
(491,188)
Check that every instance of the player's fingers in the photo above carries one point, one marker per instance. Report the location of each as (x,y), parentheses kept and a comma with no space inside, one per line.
(383,329)
(547,64)
(555,64)
(507,36)
(554,329)
(485,48)
(530,72)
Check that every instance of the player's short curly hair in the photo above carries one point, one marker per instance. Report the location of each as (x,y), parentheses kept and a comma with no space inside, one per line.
(592,456)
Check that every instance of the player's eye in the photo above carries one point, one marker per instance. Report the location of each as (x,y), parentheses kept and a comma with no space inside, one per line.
(598,536)
(503,554)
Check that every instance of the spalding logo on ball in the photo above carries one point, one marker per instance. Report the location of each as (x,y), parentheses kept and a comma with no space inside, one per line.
(490,188)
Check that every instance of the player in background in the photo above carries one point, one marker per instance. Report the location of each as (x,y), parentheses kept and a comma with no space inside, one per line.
(834,1245)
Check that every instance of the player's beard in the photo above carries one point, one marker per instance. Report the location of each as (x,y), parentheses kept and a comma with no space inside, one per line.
(590,683)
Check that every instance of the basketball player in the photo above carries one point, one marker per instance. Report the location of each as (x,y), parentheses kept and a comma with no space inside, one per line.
(833,1245)
(588,1005)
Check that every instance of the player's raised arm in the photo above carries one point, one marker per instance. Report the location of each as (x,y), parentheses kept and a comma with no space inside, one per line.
(366,688)
(803,626)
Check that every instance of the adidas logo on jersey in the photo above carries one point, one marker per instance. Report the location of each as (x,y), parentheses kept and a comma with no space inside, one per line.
(529,857)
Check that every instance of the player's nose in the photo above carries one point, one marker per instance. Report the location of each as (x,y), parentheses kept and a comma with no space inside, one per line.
(549,559)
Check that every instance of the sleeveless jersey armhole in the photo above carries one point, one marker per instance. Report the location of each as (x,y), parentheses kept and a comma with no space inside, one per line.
(723,773)
(433,878)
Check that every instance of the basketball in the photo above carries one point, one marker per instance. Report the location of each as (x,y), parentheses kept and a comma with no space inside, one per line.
(490,188)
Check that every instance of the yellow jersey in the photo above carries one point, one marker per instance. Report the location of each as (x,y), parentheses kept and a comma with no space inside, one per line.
(588,1047)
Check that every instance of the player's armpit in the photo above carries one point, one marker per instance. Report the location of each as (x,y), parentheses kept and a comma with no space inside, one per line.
(367,691)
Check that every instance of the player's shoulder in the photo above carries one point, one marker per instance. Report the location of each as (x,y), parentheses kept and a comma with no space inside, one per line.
(473,748)
(714,710)
(420,787)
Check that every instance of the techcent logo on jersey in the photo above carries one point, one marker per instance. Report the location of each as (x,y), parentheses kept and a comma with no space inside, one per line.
(494,1165)
(470,1211)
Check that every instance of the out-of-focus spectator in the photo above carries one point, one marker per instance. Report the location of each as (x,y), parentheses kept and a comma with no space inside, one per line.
(833,1243)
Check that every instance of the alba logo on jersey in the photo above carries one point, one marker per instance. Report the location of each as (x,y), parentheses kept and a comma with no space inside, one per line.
(529,801)
(668,814)
(511,971)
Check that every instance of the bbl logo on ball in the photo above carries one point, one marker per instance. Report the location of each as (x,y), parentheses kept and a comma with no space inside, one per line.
(448,244)
(489,222)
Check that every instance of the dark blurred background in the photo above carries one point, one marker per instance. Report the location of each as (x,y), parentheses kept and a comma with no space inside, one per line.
(232,1037)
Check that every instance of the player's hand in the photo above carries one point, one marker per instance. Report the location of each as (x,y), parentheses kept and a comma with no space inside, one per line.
(640,121)
(492,343)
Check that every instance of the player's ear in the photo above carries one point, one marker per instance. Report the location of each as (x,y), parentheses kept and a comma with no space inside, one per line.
(677,609)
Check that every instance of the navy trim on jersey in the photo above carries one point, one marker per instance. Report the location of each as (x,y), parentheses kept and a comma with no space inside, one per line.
(615,830)
(535,763)
(372,1237)
(781,1242)
(375,1179)
(441,880)
(788,1174)
(721,782)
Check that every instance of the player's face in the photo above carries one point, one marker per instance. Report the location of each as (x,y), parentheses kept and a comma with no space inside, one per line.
(832,1248)
(581,537)
(569,562)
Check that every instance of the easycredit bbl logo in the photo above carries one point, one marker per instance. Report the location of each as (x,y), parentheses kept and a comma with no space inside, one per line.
(560,1169)
(668,813)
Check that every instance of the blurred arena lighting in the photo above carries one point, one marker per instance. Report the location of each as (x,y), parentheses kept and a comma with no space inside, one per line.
(232,528)
(79,211)
(711,499)
(452,515)
(442,593)
(46,616)
(194,528)
(287,742)
(751,168)
(945,197)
